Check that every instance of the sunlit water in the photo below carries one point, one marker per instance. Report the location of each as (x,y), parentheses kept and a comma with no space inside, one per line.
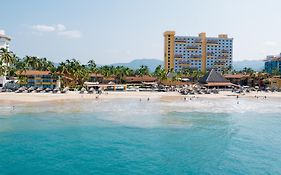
(128,136)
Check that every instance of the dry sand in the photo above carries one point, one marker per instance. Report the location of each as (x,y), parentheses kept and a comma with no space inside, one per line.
(167,96)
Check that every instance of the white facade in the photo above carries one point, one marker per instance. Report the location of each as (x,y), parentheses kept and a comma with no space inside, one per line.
(4,40)
(4,43)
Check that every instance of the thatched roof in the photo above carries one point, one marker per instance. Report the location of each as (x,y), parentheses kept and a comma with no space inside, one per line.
(212,76)
(235,76)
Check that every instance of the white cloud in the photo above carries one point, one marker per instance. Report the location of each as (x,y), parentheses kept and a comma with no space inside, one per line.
(270,43)
(43,28)
(2,32)
(70,34)
(59,29)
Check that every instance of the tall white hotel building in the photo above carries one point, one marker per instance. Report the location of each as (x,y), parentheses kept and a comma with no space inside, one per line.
(4,40)
(4,43)
(197,52)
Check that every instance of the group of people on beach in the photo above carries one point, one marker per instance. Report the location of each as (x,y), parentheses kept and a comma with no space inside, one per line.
(193,97)
(257,97)
(146,99)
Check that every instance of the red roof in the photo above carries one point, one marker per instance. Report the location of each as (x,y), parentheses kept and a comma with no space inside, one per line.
(96,75)
(33,72)
(109,79)
(140,79)
(220,84)
(237,76)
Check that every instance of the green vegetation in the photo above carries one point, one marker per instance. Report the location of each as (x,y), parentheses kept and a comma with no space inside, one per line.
(73,74)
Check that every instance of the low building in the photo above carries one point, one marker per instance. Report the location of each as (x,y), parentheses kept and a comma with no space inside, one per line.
(239,79)
(214,79)
(275,82)
(101,79)
(140,79)
(96,77)
(38,79)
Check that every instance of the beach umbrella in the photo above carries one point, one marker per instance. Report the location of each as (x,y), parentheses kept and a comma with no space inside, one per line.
(82,90)
(39,89)
(22,88)
(65,90)
(30,89)
(48,89)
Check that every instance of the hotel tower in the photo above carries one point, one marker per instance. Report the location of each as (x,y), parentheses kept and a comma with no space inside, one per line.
(197,52)
(4,43)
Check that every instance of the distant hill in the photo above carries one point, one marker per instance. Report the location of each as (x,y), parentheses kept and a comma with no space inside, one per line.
(135,64)
(257,65)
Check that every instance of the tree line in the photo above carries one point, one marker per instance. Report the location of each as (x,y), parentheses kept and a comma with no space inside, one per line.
(71,71)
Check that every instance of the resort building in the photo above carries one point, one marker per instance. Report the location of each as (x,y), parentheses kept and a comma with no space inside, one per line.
(4,40)
(37,79)
(197,52)
(239,79)
(214,79)
(273,63)
(4,43)
(275,82)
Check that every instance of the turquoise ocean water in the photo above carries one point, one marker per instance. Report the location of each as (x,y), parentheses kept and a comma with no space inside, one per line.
(127,136)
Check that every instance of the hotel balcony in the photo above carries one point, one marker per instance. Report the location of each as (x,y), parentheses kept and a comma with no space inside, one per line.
(192,48)
(177,41)
(198,41)
(184,65)
(178,55)
(224,51)
(177,58)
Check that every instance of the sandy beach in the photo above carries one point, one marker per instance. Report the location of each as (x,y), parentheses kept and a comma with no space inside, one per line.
(167,96)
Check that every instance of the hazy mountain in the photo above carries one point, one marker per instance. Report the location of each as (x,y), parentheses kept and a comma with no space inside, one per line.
(135,64)
(257,65)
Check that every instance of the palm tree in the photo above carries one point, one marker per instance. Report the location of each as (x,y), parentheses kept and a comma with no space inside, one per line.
(73,73)
(6,56)
(196,75)
(247,70)
(160,73)
(275,72)
(3,68)
(142,71)
(92,66)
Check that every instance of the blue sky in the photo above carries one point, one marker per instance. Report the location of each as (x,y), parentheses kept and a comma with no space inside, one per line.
(112,31)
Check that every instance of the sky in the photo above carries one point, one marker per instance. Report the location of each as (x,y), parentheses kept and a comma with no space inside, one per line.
(111,31)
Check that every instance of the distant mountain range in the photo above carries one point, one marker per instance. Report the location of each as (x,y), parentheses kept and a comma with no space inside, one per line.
(135,64)
(256,65)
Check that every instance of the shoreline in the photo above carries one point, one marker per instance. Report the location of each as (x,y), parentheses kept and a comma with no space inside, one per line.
(166,96)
